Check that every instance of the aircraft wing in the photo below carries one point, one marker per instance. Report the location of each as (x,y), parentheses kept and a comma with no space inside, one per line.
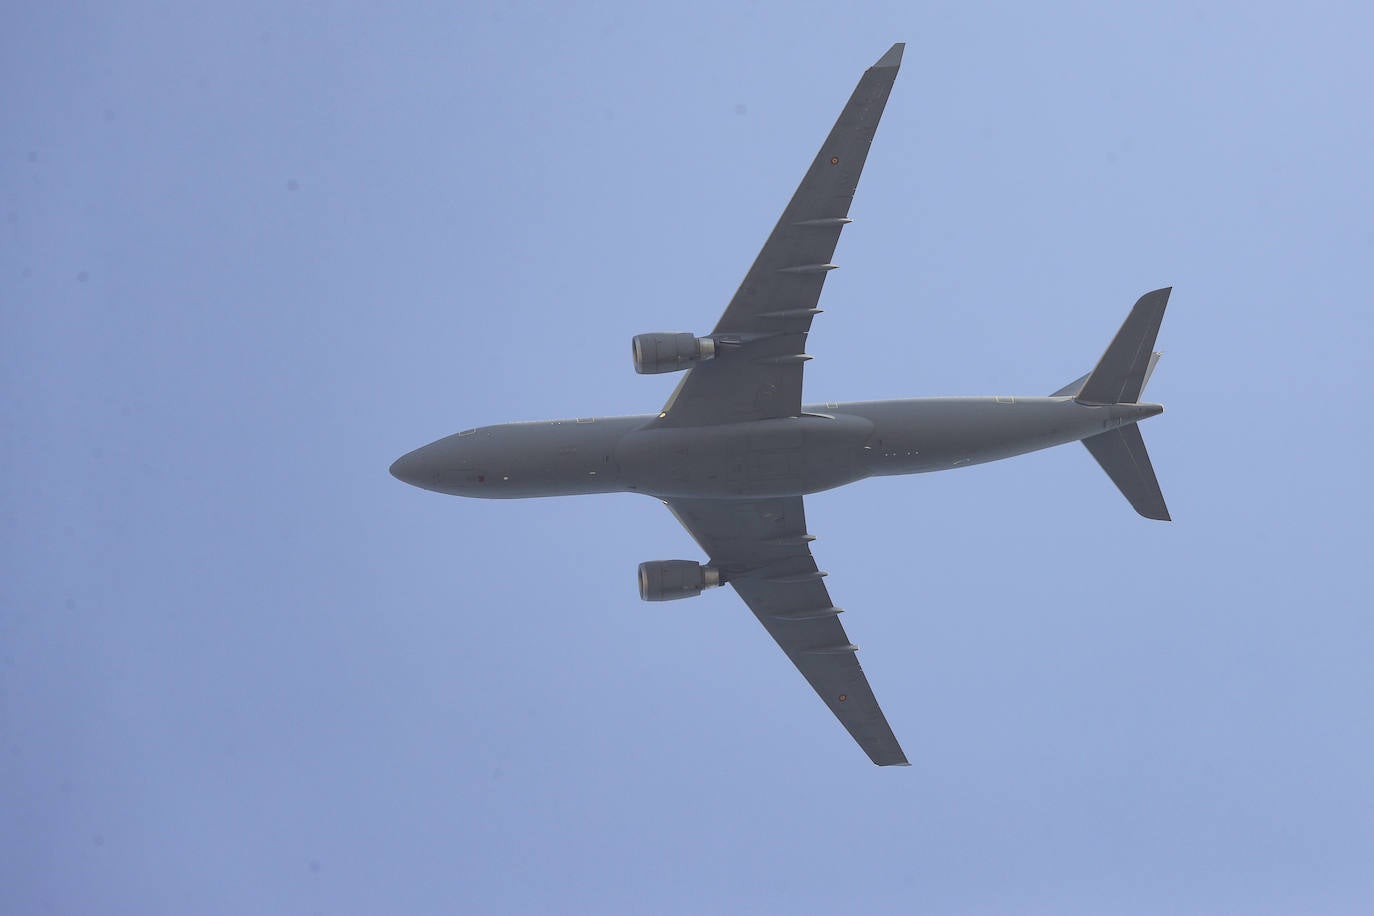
(761,337)
(761,547)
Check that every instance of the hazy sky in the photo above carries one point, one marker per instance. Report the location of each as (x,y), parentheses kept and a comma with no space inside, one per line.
(252,254)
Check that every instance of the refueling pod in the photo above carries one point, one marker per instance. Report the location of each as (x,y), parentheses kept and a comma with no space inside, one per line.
(667,580)
(656,353)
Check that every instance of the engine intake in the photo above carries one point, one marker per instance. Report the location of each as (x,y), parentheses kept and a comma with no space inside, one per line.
(656,353)
(668,580)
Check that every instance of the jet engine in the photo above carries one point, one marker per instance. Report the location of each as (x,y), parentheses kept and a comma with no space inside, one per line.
(667,580)
(655,353)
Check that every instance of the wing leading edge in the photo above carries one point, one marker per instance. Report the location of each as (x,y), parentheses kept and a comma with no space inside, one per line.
(762,548)
(761,337)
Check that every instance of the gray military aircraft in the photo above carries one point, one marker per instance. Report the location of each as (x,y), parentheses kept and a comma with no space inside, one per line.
(734,450)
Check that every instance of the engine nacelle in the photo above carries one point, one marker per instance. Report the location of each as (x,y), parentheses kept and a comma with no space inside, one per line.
(655,353)
(667,580)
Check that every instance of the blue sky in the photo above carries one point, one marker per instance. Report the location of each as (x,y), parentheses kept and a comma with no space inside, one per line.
(251,254)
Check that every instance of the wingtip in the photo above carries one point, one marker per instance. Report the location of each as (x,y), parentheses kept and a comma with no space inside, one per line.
(893,58)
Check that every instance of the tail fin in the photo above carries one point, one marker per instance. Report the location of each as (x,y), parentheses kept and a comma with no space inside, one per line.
(1120,374)
(1119,378)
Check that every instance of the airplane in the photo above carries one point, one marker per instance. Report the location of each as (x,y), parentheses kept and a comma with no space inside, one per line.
(734,450)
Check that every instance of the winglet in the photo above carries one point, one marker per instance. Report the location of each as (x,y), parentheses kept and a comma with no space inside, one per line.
(892,59)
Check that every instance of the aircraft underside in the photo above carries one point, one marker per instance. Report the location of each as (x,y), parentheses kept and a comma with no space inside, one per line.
(828,446)
(734,449)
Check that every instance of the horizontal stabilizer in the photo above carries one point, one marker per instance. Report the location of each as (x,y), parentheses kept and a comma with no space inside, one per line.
(1072,388)
(1121,372)
(1122,455)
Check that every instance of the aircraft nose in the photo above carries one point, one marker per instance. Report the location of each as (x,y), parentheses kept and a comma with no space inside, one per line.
(422,468)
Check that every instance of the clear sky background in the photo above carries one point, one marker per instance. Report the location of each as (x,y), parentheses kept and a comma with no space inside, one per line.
(251,254)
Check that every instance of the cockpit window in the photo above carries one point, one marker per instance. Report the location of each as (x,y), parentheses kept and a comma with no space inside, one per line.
(467,432)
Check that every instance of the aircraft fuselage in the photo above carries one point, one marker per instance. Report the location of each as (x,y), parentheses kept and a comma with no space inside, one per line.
(829,445)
